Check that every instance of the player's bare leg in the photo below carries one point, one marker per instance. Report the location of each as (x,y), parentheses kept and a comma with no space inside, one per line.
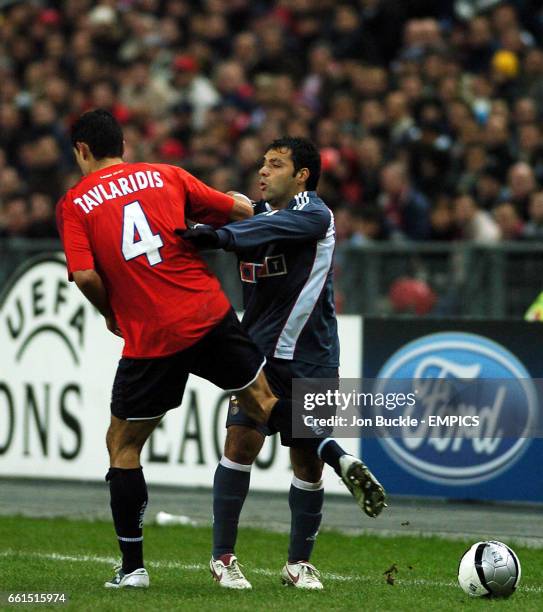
(230,488)
(242,444)
(125,440)
(128,491)
(257,399)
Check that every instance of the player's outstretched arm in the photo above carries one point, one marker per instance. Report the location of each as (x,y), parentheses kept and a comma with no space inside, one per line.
(91,286)
(287,225)
(207,205)
(281,225)
(205,237)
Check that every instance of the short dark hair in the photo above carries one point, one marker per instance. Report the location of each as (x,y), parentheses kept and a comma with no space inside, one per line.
(304,155)
(101,132)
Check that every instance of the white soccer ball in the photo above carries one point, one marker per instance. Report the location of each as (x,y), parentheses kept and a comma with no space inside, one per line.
(489,569)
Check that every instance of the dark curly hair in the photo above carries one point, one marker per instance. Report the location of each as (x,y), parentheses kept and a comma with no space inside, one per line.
(304,155)
(101,132)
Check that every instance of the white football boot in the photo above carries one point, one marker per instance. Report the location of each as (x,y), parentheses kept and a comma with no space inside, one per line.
(364,487)
(226,571)
(301,575)
(137,579)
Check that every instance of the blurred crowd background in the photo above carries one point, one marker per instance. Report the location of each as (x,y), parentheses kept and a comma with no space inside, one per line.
(427,114)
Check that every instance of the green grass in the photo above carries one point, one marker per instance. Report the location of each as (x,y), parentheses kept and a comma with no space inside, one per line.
(176,557)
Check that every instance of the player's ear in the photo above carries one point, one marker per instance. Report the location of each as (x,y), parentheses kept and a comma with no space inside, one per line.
(303,175)
(83,150)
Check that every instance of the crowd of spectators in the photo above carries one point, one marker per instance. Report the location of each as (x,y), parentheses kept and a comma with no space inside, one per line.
(427,114)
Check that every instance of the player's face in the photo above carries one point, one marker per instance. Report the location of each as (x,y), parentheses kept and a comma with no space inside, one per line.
(278,181)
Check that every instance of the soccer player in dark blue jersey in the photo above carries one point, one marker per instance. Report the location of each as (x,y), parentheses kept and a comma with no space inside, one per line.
(286,264)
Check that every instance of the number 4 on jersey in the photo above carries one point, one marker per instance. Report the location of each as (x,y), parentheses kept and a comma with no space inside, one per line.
(135,224)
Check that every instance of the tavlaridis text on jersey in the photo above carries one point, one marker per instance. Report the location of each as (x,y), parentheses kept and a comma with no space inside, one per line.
(119,187)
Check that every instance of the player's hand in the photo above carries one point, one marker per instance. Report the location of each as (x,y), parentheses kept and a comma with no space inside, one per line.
(111,324)
(202,236)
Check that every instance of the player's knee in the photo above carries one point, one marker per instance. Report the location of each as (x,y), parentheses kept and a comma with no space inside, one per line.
(242,446)
(125,457)
(122,448)
(240,453)
(308,473)
(112,439)
(306,466)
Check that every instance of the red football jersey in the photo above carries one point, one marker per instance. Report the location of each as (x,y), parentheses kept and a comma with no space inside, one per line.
(120,222)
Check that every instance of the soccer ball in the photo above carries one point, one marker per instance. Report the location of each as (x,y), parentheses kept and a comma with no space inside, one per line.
(489,569)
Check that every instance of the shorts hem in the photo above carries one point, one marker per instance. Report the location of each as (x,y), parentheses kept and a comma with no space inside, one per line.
(250,382)
(131,418)
(158,416)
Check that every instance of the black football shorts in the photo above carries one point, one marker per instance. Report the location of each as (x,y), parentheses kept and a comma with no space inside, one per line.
(147,388)
(280,373)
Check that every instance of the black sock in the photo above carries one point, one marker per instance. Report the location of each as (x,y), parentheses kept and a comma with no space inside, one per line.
(230,487)
(128,493)
(305,500)
(331,452)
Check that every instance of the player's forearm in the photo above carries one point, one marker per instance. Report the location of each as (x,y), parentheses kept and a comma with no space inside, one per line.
(91,286)
(243,207)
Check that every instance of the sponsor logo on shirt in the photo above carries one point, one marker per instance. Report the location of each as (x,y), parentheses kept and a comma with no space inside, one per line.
(274,265)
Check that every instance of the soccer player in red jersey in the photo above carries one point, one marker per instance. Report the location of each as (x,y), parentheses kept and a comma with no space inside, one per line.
(154,290)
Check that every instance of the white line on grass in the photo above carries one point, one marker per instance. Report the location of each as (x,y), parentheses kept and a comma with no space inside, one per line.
(191,567)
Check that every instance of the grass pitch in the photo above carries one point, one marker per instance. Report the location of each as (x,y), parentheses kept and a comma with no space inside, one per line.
(359,573)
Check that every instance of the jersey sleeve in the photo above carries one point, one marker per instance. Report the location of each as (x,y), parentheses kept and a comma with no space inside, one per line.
(74,238)
(205,204)
(275,226)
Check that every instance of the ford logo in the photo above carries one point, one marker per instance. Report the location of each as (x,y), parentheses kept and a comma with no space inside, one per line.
(505,399)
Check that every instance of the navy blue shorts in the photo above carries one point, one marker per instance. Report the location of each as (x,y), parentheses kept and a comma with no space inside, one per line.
(148,388)
(279,373)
